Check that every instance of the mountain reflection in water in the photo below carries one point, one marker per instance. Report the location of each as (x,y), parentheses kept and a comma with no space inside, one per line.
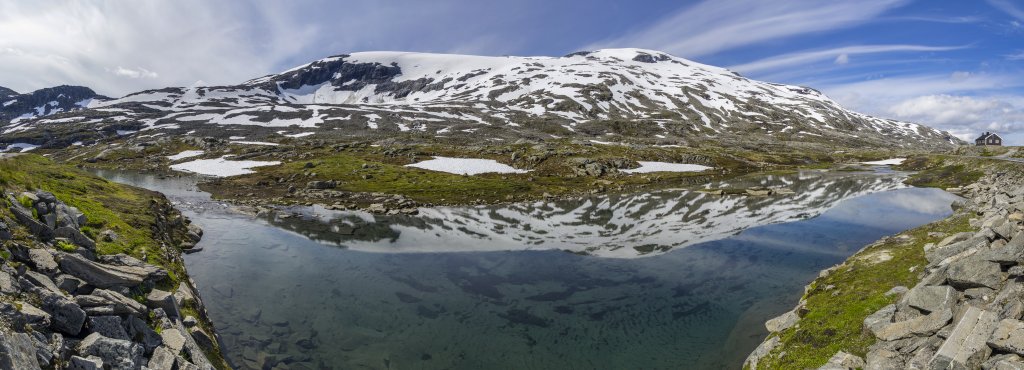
(618,225)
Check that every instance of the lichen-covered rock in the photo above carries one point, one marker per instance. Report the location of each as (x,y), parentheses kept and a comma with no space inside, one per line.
(65,315)
(115,353)
(108,326)
(966,347)
(17,352)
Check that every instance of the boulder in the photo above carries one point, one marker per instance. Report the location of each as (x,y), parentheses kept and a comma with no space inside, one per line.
(974,272)
(68,283)
(880,319)
(918,326)
(162,359)
(202,339)
(106,302)
(782,322)
(762,350)
(163,299)
(85,363)
(34,317)
(35,279)
(1004,362)
(39,229)
(108,326)
(66,316)
(8,284)
(966,347)
(75,236)
(843,361)
(321,185)
(116,354)
(5,230)
(140,332)
(101,275)
(42,260)
(1008,336)
(930,298)
(17,352)
(173,340)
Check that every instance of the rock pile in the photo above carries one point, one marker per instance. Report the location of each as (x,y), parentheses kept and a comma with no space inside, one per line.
(64,306)
(966,312)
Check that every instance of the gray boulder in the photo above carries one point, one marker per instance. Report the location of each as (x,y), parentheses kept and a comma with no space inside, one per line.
(108,326)
(34,317)
(930,298)
(34,279)
(17,352)
(68,283)
(85,363)
(782,322)
(1008,336)
(880,319)
(966,347)
(162,299)
(974,272)
(42,260)
(66,316)
(116,354)
(39,229)
(101,275)
(843,361)
(918,326)
(106,302)
(8,284)
(75,236)
(140,332)
(162,359)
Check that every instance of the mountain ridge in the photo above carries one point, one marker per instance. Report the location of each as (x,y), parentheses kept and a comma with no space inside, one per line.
(628,94)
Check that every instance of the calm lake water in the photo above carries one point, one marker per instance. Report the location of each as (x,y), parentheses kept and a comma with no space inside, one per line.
(661,280)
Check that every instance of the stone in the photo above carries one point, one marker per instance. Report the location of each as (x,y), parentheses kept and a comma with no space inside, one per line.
(117,354)
(85,363)
(39,280)
(321,185)
(882,359)
(42,260)
(966,346)
(944,255)
(5,230)
(8,284)
(17,352)
(163,299)
(202,339)
(974,272)
(100,275)
(930,298)
(843,361)
(1007,361)
(68,283)
(107,302)
(183,295)
(75,236)
(162,359)
(1005,230)
(782,322)
(35,317)
(918,326)
(108,326)
(189,321)
(65,315)
(762,350)
(140,332)
(1008,336)
(39,229)
(880,319)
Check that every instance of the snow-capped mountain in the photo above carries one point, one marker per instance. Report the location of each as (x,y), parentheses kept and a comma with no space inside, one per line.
(630,94)
(16,107)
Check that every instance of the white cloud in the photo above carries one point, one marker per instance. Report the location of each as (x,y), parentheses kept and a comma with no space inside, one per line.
(964,116)
(712,26)
(841,56)
(1016,56)
(1008,8)
(134,73)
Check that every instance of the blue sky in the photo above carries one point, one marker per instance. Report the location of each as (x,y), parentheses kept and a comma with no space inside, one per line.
(952,64)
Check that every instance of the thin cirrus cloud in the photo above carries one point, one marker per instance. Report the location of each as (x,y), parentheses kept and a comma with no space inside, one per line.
(714,26)
(838,55)
(1008,8)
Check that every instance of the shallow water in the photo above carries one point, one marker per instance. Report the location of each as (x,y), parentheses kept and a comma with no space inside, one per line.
(669,279)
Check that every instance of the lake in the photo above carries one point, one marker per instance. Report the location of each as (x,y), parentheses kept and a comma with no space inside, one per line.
(658,280)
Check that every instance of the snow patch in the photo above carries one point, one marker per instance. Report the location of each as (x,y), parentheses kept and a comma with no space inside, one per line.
(886,162)
(465,166)
(185,154)
(221,167)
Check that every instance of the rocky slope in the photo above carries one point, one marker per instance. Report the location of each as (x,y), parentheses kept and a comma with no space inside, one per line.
(634,94)
(16,107)
(66,301)
(966,310)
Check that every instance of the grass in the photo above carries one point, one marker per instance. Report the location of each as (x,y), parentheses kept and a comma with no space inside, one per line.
(66,246)
(838,303)
(943,172)
(107,205)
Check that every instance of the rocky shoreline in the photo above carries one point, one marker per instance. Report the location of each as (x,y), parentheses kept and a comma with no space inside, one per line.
(966,310)
(64,305)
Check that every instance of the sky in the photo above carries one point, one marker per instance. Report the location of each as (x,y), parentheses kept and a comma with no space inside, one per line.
(951,64)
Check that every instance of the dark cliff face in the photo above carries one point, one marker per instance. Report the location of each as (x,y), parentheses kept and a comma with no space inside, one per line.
(5,92)
(44,102)
(348,76)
